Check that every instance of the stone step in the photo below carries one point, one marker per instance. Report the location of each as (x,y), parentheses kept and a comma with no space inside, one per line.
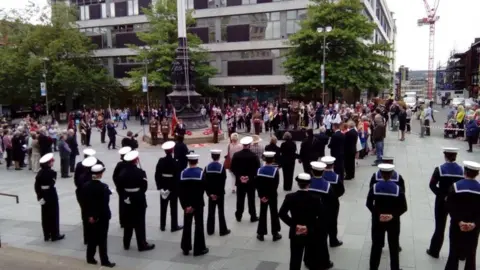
(17,258)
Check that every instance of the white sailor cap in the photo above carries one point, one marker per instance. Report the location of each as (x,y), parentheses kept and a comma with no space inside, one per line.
(450,150)
(131,156)
(89,162)
(193,156)
(124,150)
(303,177)
(472,165)
(89,152)
(384,167)
(318,166)
(269,154)
(168,145)
(385,158)
(216,151)
(46,158)
(97,169)
(246,140)
(328,160)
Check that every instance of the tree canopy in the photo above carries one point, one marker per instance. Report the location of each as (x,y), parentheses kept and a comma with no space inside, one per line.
(52,46)
(353,61)
(159,53)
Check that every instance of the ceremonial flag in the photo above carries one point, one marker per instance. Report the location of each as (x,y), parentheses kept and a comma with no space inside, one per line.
(174,121)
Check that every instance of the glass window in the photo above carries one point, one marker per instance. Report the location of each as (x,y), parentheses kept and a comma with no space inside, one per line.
(82,13)
(275,16)
(104,10)
(302,14)
(290,27)
(112,10)
(130,8)
(135,7)
(87,13)
(276,33)
(190,4)
(291,15)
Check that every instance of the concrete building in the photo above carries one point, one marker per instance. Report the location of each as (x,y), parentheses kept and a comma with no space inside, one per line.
(247,38)
(411,81)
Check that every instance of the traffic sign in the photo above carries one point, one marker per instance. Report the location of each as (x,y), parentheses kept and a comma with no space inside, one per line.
(43,89)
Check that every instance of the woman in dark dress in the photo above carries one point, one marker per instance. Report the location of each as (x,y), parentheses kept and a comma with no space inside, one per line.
(273,147)
(17,150)
(288,151)
(402,119)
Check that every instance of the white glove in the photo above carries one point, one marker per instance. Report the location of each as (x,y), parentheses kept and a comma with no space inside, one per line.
(42,201)
(164,193)
(112,191)
(127,200)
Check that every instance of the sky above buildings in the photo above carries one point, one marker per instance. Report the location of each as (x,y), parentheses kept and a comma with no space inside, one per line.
(456,29)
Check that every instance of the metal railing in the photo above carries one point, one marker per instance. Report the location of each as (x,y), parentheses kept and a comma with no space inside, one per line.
(16,199)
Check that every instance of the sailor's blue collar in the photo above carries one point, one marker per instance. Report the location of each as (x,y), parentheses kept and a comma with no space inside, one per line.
(450,169)
(386,188)
(268,171)
(467,186)
(192,173)
(214,167)
(394,178)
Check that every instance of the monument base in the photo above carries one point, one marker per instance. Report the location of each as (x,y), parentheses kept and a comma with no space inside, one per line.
(197,137)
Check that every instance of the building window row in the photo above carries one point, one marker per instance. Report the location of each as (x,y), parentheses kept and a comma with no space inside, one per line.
(205,4)
(97,10)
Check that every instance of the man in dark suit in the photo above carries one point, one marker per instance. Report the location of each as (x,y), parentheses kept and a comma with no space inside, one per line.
(351,138)
(320,142)
(180,128)
(337,150)
(72,143)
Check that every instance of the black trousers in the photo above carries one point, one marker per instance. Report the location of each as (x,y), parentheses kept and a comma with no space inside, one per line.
(462,244)
(85,222)
(87,137)
(102,136)
(427,127)
(111,141)
(136,221)
(288,170)
(173,200)
(333,221)
(298,245)
(392,228)
(154,138)
(409,128)
(98,234)
(9,157)
(212,205)
(121,210)
(307,168)
(72,163)
(316,254)
(64,166)
(242,191)
(471,141)
(199,237)
(349,166)
(50,220)
(272,203)
(440,223)
(338,167)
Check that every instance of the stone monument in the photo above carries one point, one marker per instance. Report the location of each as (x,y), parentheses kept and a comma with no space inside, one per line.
(184,98)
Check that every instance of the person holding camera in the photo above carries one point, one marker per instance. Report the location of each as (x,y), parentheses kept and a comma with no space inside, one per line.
(130,140)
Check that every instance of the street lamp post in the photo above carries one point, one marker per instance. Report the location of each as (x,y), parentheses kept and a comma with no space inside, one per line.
(323,30)
(145,89)
(45,59)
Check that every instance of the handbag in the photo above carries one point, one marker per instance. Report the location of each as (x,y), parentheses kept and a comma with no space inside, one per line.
(228,161)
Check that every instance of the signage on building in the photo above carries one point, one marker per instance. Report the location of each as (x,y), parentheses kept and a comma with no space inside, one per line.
(43,89)
(144,84)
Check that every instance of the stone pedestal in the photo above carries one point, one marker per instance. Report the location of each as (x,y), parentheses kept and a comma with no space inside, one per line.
(185,100)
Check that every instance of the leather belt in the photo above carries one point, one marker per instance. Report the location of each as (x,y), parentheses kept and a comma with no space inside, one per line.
(45,187)
(132,189)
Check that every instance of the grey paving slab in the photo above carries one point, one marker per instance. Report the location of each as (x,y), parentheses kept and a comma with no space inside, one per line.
(415,160)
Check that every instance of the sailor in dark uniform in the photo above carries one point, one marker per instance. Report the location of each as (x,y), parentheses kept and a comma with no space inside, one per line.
(305,210)
(317,255)
(95,200)
(47,197)
(167,177)
(116,181)
(79,169)
(192,187)
(386,201)
(244,166)
(266,182)
(180,152)
(396,178)
(444,176)
(135,184)
(338,189)
(462,203)
(80,181)
(215,177)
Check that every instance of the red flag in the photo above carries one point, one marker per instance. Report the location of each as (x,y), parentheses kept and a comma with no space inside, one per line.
(174,121)
(255,105)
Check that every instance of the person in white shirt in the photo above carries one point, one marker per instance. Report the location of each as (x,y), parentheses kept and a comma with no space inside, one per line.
(428,118)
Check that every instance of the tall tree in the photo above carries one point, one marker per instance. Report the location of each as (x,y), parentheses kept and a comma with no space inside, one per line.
(52,48)
(159,53)
(353,62)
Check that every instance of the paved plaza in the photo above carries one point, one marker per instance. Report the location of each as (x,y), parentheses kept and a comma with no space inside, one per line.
(415,159)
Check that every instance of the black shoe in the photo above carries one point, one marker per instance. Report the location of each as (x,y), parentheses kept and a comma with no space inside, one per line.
(162,229)
(277,237)
(92,261)
(431,254)
(109,264)
(253,219)
(203,252)
(260,237)
(210,233)
(336,244)
(400,249)
(46,239)
(58,237)
(470,151)
(330,265)
(186,252)
(147,247)
(176,229)
(227,232)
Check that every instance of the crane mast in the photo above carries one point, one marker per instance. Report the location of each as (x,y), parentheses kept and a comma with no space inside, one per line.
(430,20)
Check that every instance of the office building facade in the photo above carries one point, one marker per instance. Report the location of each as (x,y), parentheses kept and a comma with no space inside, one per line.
(247,39)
